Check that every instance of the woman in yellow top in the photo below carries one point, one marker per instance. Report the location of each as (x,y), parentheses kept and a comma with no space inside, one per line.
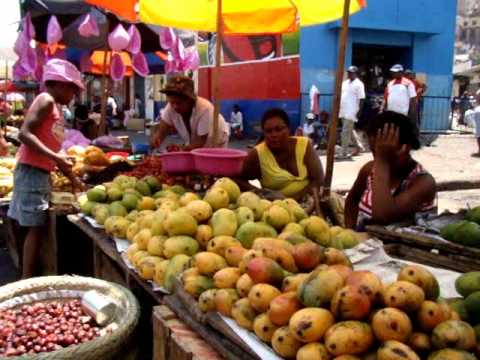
(286,165)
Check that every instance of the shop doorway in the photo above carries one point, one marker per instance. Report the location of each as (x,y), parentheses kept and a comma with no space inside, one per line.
(374,62)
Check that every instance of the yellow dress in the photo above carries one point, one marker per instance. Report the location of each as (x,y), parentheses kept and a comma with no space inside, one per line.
(276,178)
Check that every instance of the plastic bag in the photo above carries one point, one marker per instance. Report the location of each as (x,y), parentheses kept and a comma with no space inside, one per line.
(167,38)
(54,31)
(140,64)
(89,27)
(135,44)
(117,67)
(118,38)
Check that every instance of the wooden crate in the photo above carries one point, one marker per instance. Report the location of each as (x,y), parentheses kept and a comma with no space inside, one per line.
(172,339)
(433,252)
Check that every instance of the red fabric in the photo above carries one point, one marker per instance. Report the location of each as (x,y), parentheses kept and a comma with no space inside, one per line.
(50,133)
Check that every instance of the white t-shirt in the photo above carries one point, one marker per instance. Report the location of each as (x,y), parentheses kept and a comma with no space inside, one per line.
(237,119)
(308,129)
(398,94)
(352,93)
(201,124)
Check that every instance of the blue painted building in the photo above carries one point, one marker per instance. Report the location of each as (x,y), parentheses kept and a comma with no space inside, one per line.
(419,34)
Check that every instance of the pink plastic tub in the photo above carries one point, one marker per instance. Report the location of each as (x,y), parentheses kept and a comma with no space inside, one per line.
(178,162)
(219,161)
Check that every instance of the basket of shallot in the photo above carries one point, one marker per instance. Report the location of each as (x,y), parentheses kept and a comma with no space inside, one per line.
(66,317)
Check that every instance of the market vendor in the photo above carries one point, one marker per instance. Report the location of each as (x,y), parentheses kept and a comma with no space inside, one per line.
(41,135)
(190,116)
(393,188)
(284,164)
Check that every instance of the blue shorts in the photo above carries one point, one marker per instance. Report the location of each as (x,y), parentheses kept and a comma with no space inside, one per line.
(31,190)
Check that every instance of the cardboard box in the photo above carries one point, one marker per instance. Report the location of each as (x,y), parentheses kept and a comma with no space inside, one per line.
(135,124)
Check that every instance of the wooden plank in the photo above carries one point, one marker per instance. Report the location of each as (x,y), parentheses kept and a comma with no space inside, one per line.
(418,240)
(219,342)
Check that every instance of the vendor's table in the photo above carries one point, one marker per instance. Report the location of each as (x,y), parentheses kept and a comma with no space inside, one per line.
(63,251)
(108,264)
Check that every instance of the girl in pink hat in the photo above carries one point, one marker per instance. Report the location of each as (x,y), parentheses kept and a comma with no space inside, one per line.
(42,136)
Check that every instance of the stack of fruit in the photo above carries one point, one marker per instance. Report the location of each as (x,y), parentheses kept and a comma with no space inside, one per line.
(468,307)
(465,232)
(167,225)
(332,311)
(7,166)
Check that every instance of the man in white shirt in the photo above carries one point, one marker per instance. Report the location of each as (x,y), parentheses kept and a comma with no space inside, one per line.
(400,94)
(477,123)
(236,119)
(353,96)
(190,116)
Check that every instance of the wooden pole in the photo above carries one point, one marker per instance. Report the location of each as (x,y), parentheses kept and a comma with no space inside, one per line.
(6,90)
(332,139)
(216,69)
(104,96)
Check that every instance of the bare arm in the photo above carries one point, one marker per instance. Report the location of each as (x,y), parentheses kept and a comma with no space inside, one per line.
(159,133)
(314,167)
(355,195)
(198,144)
(386,207)
(250,171)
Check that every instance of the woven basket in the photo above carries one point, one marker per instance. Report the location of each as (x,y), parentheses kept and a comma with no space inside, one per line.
(104,347)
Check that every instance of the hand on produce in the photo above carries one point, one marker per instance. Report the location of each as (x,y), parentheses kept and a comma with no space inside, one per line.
(64,164)
(387,143)
(3,146)
(77,184)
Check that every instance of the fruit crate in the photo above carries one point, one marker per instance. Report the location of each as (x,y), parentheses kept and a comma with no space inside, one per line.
(427,250)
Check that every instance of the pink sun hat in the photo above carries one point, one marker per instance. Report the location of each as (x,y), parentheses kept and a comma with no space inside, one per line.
(62,70)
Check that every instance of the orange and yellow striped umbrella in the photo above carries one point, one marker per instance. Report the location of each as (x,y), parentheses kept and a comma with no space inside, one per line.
(238,17)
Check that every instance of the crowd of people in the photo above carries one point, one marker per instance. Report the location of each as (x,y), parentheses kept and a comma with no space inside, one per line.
(392,187)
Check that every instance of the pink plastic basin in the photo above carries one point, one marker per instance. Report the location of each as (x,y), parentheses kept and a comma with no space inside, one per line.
(178,162)
(219,161)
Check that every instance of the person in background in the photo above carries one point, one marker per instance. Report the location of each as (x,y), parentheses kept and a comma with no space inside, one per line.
(476,120)
(353,97)
(138,107)
(421,89)
(236,121)
(42,136)
(83,123)
(400,94)
(463,106)
(286,166)
(190,116)
(393,187)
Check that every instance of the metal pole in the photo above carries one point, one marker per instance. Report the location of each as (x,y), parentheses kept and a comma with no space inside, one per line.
(336,101)
(216,70)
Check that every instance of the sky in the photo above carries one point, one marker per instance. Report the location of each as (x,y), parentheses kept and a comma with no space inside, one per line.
(9,18)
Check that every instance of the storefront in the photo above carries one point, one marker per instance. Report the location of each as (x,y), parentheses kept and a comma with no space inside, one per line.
(384,34)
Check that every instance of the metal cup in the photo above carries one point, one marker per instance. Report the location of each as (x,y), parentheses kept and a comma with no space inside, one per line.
(99,307)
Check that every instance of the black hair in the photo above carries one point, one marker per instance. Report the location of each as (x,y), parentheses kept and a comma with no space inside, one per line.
(409,133)
(275,112)
(81,112)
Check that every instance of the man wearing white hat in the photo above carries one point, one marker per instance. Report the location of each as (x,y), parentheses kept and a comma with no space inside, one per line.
(353,96)
(400,94)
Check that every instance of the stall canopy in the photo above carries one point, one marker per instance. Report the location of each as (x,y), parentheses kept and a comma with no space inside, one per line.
(70,14)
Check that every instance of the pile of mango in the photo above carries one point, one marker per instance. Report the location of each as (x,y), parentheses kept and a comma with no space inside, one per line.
(326,310)
(468,307)
(167,225)
(465,232)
